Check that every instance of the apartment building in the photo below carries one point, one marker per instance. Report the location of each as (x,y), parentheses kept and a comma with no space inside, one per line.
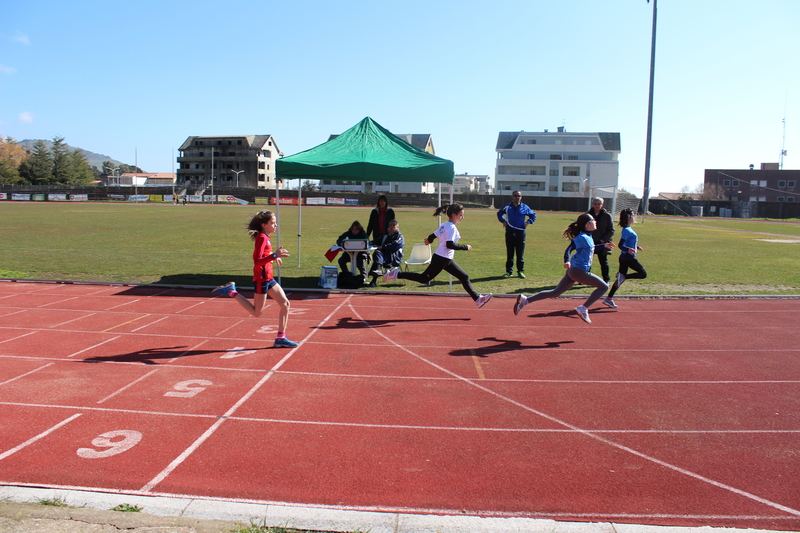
(423,141)
(468,184)
(232,160)
(769,184)
(556,163)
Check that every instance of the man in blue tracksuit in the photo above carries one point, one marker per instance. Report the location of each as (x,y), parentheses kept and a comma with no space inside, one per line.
(515,216)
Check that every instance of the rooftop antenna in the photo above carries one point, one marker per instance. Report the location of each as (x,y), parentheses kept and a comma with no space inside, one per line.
(783,142)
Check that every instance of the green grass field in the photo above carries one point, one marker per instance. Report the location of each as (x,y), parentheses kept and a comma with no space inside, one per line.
(207,245)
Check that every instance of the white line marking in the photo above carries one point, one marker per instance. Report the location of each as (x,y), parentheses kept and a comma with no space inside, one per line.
(25,374)
(122,305)
(58,302)
(72,320)
(129,385)
(229,328)
(37,437)
(19,336)
(210,431)
(150,324)
(585,432)
(95,346)
(196,346)
(190,307)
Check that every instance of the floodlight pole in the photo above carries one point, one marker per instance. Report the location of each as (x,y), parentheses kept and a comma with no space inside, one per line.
(237,172)
(646,192)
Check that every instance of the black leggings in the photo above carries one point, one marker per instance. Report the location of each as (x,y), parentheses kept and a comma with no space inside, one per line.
(439,263)
(624,265)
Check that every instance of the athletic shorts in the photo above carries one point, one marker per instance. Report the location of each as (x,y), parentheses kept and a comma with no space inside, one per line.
(262,287)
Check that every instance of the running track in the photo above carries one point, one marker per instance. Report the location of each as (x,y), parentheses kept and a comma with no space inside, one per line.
(672,412)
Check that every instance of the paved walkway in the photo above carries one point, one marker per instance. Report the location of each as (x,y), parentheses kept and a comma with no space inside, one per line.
(88,512)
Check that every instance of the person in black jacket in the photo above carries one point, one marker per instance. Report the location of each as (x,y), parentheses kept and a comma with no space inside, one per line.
(356,231)
(379,219)
(603,234)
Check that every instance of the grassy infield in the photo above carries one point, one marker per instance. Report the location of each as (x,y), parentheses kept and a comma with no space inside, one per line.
(207,245)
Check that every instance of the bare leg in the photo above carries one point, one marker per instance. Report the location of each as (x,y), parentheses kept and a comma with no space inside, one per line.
(255,308)
(277,294)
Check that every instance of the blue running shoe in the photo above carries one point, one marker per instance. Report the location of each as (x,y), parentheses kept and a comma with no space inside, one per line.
(226,289)
(284,343)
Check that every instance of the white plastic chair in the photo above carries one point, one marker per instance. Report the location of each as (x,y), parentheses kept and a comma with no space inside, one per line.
(420,255)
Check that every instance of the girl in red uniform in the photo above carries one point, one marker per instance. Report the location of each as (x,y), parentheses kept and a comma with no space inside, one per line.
(261,225)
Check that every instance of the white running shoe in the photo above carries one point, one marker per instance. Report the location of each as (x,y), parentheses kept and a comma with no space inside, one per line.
(391,275)
(482,299)
(583,313)
(620,279)
(610,302)
(522,301)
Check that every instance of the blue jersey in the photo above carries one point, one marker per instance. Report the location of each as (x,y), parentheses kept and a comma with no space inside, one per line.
(628,243)
(515,216)
(583,245)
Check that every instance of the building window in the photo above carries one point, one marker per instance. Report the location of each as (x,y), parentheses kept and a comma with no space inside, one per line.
(570,172)
(754,183)
(216,154)
(231,153)
(726,183)
(230,143)
(555,156)
(762,183)
(735,183)
(554,188)
(202,154)
(554,172)
(261,177)
(260,164)
(570,186)
(239,142)
(219,143)
(791,183)
(531,156)
(781,183)
(790,198)
(781,199)
(572,157)
(267,153)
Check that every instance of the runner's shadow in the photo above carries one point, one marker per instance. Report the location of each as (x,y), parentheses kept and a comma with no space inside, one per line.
(504,346)
(349,322)
(150,355)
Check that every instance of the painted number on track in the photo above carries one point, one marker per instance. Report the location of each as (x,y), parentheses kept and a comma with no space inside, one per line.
(188,388)
(238,351)
(129,439)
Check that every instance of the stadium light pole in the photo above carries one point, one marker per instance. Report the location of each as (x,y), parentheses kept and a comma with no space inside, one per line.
(646,192)
(113,170)
(237,172)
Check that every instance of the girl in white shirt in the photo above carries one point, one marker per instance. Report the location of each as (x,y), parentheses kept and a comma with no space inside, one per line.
(442,259)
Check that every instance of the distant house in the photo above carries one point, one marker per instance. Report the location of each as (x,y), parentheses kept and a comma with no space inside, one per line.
(228,160)
(423,141)
(469,184)
(141,179)
(766,185)
(556,163)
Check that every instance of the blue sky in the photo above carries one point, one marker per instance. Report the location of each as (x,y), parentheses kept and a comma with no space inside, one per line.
(139,77)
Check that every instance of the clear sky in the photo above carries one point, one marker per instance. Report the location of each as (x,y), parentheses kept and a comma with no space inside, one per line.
(139,77)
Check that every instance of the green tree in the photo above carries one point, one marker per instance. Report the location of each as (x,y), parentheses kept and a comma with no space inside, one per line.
(11,156)
(9,174)
(78,170)
(59,158)
(38,167)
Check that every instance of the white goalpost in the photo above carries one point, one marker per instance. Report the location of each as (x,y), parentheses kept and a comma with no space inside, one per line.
(614,201)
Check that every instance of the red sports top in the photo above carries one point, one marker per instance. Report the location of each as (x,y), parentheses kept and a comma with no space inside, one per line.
(262,258)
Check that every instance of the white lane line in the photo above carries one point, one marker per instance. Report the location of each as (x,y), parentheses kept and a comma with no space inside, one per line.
(210,431)
(25,374)
(95,346)
(585,432)
(58,302)
(229,327)
(19,336)
(123,304)
(37,437)
(72,320)
(150,324)
(129,385)
(193,348)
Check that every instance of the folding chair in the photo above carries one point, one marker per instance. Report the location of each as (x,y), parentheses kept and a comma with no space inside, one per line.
(420,255)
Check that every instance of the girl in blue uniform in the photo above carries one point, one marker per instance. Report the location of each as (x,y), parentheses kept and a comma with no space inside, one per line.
(578,266)
(628,246)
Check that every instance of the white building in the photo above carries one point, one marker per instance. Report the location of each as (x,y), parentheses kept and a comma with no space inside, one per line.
(468,184)
(556,164)
(423,141)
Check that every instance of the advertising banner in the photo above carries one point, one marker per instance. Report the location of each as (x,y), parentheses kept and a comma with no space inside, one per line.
(56,197)
(315,201)
(194,198)
(79,197)
(233,200)
(20,196)
(284,201)
(118,197)
(38,197)
(156,197)
(351,201)
(335,201)
(262,201)
(3,196)
(138,198)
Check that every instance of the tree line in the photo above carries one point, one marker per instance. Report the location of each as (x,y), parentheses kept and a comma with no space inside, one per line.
(54,165)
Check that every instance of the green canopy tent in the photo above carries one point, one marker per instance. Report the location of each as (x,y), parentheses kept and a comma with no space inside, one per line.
(365,152)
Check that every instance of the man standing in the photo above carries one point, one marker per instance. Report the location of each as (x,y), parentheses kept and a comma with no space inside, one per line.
(603,234)
(515,216)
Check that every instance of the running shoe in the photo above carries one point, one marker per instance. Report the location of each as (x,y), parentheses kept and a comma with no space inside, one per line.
(620,279)
(482,299)
(522,301)
(521,274)
(507,275)
(583,313)
(392,274)
(609,302)
(226,289)
(283,342)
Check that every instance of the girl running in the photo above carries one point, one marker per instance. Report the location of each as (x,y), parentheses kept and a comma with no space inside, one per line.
(628,246)
(578,266)
(448,236)
(261,225)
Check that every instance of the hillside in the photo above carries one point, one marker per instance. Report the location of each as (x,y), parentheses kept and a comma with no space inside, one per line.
(94,159)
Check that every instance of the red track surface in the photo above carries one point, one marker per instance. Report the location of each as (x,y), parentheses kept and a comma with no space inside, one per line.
(674,412)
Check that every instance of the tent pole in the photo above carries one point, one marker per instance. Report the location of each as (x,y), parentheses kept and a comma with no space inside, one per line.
(299,217)
(278,216)
(451,201)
